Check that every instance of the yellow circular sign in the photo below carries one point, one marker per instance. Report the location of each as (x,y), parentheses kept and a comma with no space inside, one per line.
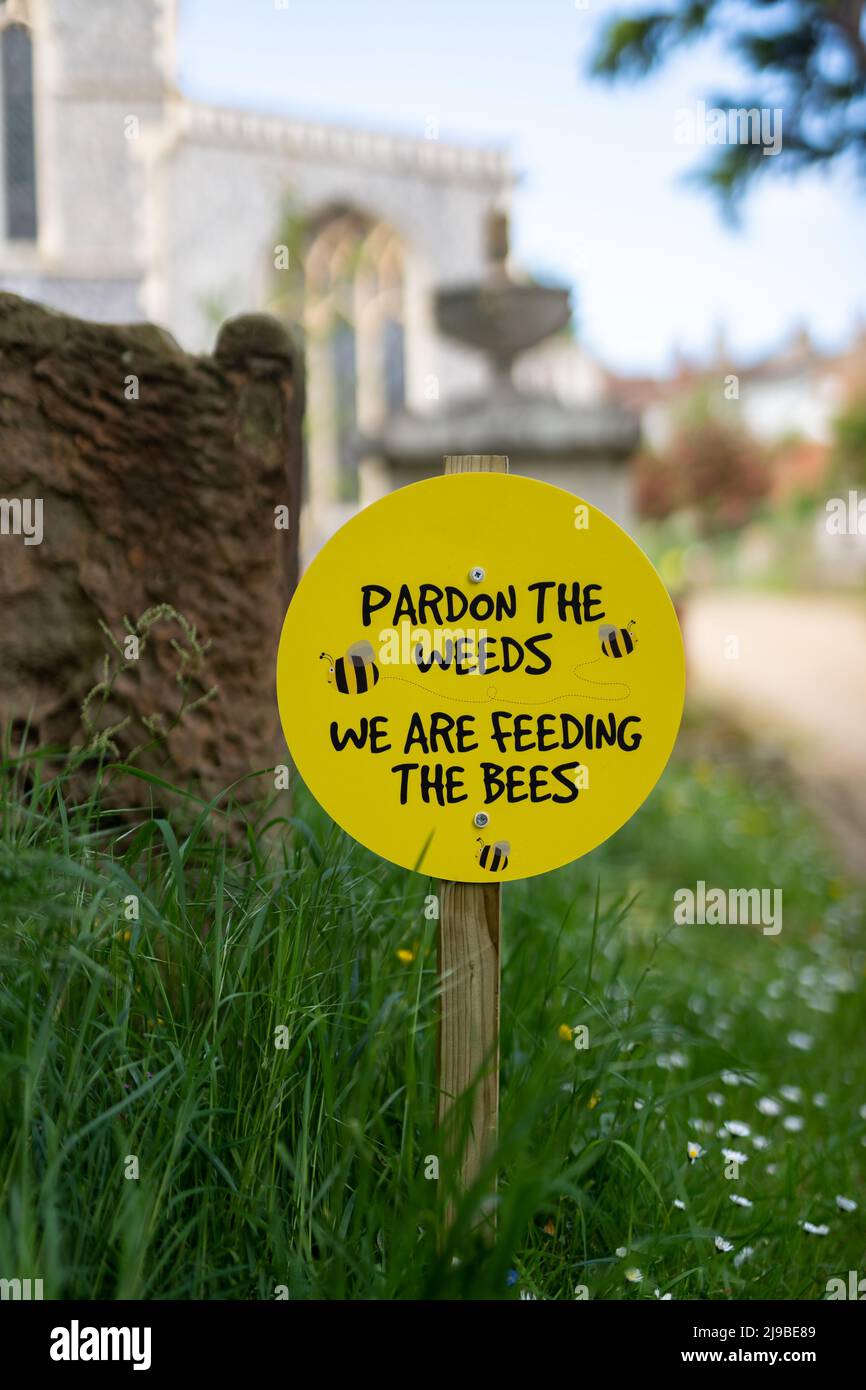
(480,677)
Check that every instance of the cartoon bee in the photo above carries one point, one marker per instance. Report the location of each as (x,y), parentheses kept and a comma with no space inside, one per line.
(354,673)
(617,641)
(494,857)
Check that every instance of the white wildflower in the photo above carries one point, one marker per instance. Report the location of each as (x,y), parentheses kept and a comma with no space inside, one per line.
(738,1128)
(768,1106)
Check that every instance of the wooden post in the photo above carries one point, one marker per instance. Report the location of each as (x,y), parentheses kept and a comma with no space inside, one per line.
(468,1050)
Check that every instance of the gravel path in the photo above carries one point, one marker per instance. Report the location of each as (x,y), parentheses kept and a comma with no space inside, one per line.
(799,673)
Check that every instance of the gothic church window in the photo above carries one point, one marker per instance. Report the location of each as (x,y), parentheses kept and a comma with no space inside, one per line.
(353,327)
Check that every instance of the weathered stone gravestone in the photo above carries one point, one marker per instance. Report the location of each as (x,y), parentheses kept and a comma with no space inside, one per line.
(135,480)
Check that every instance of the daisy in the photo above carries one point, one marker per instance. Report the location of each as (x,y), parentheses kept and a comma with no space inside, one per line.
(791,1093)
(793,1123)
(738,1129)
(767,1106)
(621,1252)
(842,981)
(804,1042)
(633,1275)
(638,1105)
(680,1206)
(846,1204)
(662,1296)
(745,1254)
(820,1100)
(734,1156)
(760,1142)
(731,1078)
(694,1150)
(740,1201)
(723,1245)
(716,1098)
(815,1230)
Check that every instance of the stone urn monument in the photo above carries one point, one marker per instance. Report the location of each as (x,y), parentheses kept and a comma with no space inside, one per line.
(583,448)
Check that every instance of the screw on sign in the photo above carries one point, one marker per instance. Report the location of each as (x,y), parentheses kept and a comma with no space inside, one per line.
(477,690)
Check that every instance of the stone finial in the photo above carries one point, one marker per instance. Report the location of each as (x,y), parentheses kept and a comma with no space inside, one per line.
(498,237)
(251,336)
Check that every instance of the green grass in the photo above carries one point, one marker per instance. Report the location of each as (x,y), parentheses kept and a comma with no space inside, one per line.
(304,1166)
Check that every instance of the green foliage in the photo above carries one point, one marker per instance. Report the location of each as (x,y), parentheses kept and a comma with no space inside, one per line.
(711,470)
(304,1166)
(189,652)
(849,445)
(809,57)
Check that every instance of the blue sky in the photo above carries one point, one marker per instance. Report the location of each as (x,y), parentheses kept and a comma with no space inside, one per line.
(600,204)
